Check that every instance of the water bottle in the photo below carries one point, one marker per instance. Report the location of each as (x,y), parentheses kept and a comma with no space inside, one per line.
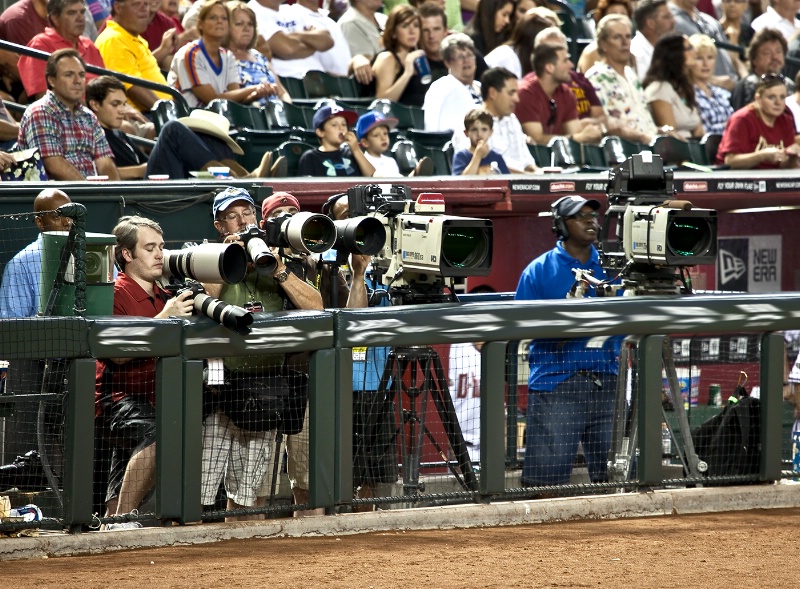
(495,167)
(666,444)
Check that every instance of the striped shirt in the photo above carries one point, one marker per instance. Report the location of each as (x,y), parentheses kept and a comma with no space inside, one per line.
(193,67)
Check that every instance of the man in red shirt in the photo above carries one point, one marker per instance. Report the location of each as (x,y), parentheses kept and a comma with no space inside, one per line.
(126,387)
(19,23)
(67,22)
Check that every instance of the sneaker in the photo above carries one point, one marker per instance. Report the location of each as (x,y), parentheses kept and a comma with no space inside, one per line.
(123,526)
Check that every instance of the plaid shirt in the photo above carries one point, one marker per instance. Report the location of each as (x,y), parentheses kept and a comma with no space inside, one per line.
(715,110)
(75,134)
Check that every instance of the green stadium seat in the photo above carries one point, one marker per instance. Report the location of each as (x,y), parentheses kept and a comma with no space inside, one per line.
(240,116)
(165,111)
(295,87)
(710,143)
(408,117)
(292,150)
(319,84)
(298,115)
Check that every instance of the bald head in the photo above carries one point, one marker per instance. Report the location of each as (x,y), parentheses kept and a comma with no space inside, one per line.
(50,199)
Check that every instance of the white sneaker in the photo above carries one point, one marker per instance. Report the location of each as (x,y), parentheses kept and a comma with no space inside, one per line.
(123,526)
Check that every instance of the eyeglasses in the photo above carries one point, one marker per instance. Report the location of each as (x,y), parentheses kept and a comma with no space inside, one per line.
(247,215)
(766,78)
(553,111)
(464,57)
(581,216)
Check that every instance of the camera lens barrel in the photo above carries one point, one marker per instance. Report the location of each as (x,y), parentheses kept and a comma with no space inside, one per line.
(226,314)
(361,235)
(207,262)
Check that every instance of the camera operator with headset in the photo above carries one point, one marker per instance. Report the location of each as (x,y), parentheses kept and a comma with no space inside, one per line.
(244,458)
(572,383)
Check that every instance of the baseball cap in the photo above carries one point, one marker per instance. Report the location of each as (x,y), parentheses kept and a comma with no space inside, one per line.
(278,199)
(229,196)
(327,112)
(369,120)
(568,206)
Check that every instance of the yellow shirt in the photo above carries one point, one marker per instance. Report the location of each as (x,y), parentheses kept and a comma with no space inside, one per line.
(126,54)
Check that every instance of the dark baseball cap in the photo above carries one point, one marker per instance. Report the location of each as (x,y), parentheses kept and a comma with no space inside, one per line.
(327,112)
(567,206)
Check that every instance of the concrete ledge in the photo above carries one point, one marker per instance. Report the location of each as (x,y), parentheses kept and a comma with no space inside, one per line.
(657,503)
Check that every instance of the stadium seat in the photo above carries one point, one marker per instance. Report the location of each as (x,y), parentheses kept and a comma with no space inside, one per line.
(541,154)
(562,155)
(298,115)
(319,84)
(256,143)
(710,143)
(240,116)
(673,151)
(405,155)
(275,113)
(292,150)
(408,117)
(442,157)
(295,87)
(590,156)
(430,139)
(165,111)
(617,149)
(306,136)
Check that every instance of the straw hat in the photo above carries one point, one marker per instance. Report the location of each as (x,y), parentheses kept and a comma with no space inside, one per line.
(211,123)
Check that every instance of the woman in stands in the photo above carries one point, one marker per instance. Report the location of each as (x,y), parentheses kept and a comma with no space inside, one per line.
(761,134)
(490,27)
(396,76)
(253,65)
(669,91)
(204,70)
(713,102)
(515,55)
(589,55)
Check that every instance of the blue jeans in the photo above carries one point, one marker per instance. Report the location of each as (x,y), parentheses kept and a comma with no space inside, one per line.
(179,150)
(577,410)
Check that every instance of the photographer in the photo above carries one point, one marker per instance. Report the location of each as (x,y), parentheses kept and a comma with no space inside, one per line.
(245,457)
(126,387)
(572,383)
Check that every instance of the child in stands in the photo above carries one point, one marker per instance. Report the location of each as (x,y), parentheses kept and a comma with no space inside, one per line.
(479,158)
(332,157)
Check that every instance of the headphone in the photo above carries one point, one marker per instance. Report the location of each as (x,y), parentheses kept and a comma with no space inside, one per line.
(328,206)
(559,221)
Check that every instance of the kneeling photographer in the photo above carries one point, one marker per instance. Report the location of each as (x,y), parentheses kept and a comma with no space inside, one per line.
(244,457)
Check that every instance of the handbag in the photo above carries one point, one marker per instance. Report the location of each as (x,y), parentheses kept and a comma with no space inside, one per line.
(28,167)
(275,401)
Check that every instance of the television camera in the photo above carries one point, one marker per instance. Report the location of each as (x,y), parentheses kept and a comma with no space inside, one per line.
(648,237)
(424,246)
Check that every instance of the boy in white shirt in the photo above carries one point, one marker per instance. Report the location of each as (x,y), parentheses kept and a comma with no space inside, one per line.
(372,132)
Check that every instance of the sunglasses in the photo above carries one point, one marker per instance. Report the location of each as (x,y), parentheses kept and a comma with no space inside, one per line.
(553,112)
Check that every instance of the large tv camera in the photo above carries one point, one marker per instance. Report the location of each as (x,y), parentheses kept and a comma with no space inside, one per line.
(424,246)
(649,237)
(208,262)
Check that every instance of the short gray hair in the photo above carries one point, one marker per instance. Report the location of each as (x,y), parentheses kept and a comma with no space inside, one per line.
(546,35)
(453,42)
(602,27)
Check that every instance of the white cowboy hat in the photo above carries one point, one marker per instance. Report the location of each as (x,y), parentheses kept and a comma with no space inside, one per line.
(211,123)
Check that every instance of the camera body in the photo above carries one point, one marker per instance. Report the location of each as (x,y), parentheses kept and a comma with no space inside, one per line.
(424,245)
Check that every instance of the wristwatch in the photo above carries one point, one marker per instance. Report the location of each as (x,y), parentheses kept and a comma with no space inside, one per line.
(281,276)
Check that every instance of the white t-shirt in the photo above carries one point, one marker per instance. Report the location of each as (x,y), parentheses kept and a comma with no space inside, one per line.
(288,21)
(791,103)
(504,56)
(385,166)
(642,50)
(771,19)
(465,390)
(191,67)
(447,102)
(336,59)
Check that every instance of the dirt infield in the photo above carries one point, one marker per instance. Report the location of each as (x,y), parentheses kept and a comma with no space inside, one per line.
(737,549)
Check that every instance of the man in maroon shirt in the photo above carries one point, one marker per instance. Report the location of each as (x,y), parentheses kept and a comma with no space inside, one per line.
(67,22)
(19,23)
(126,387)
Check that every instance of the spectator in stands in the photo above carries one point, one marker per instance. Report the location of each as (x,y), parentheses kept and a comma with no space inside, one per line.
(336,60)
(190,144)
(458,12)
(204,70)
(254,67)
(793,103)
(589,55)
(572,382)
(713,102)
(69,137)
(172,10)
(396,75)
(780,15)
(761,135)
(362,25)
(67,21)
(499,90)
(434,30)
(589,106)
(241,457)
(162,35)
(478,158)
(491,25)
(668,88)
(331,124)
(766,54)
(734,22)
(516,54)
(126,387)
(653,20)
(690,21)
(295,45)
(19,292)
(19,23)
(372,132)
(125,51)
(451,97)
(547,107)
(616,83)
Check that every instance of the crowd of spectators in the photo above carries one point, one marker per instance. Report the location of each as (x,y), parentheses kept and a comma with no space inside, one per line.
(656,67)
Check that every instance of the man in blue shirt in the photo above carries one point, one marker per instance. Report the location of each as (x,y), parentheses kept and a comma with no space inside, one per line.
(19,292)
(572,382)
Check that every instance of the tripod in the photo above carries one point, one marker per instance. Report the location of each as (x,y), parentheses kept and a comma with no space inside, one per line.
(425,378)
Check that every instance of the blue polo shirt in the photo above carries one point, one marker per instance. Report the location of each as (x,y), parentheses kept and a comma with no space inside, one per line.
(554,360)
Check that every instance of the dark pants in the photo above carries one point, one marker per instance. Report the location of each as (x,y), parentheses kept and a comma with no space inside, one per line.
(179,150)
